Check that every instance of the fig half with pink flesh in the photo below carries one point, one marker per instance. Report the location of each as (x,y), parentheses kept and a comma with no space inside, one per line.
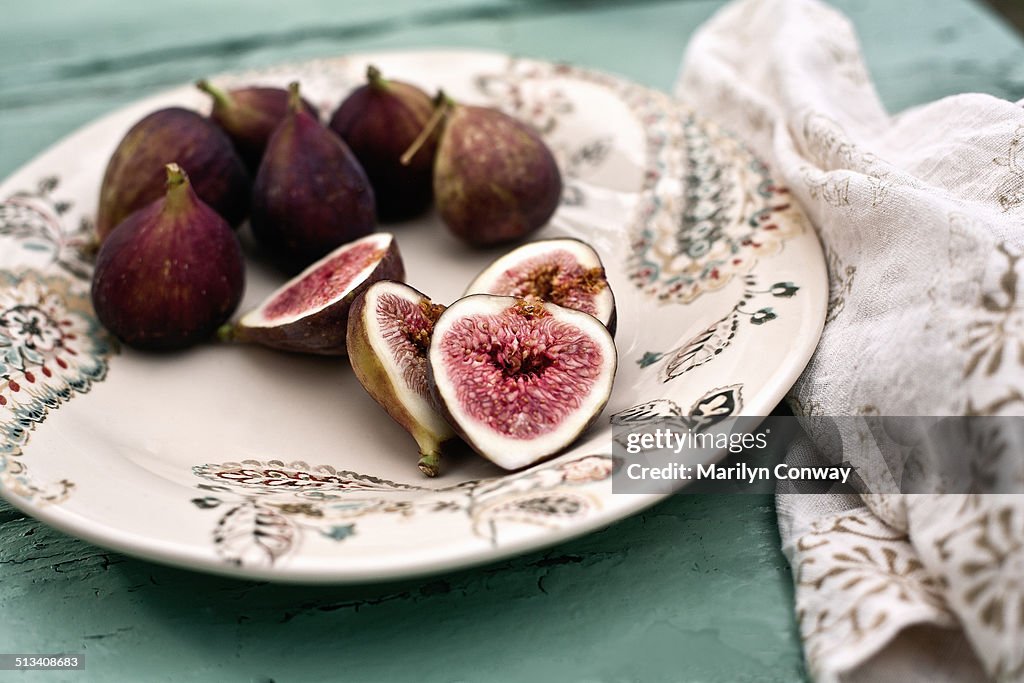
(389,330)
(519,380)
(564,271)
(309,313)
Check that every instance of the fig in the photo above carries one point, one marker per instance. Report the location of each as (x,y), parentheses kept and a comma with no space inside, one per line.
(134,176)
(519,380)
(379,121)
(495,180)
(389,329)
(311,195)
(249,116)
(564,271)
(309,313)
(170,273)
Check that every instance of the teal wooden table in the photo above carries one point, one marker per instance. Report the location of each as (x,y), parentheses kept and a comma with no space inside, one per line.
(695,589)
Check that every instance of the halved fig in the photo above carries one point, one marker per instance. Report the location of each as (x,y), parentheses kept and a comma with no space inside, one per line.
(519,380)
(563,271)
(389,330)
(309,313)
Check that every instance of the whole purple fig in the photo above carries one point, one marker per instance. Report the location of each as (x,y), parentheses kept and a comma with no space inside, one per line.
(311,195)
(379,121)
(169,274)
(249,116)
(135,173)
(495,180)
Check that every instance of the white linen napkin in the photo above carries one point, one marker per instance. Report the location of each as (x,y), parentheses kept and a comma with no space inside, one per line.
(921,216)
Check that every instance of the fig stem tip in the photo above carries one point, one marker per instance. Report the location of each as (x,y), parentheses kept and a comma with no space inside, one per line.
(175,175)
(430,464)
(220,97)
(294,97)
(226,333)
(373,74)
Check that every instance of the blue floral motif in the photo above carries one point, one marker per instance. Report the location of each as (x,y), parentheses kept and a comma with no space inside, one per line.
(762,316)
(709,343)
(339,532)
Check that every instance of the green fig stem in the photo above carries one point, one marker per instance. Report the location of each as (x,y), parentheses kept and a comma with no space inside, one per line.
(175,175)
(442,104)
(430,463)
(374,78)
(226,333)
(221,98)
(177,187)
(294,97)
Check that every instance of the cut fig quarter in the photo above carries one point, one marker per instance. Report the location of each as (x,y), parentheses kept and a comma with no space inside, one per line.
(519,380)
(309,313)
(389,330)
(563,271)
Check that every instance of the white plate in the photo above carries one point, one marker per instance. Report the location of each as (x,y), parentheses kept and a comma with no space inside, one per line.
(248,462)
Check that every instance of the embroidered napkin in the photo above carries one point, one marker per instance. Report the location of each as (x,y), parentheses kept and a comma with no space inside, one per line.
(921,216)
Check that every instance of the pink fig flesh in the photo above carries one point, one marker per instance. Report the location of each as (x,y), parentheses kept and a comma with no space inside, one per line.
(519,380)
(170,273)
(309,313)
(563,271)
(389,330)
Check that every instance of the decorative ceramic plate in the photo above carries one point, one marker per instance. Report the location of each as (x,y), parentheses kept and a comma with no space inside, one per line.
(253,463)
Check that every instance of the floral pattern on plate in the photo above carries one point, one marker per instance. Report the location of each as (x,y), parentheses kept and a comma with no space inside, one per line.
(709,209)
(267,506)
(51,348)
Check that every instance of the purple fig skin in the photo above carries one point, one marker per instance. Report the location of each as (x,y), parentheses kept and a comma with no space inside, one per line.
(322,333)
(249,117)
(311,195)
(495,180)
(135,173)
(379,121)
(169,274)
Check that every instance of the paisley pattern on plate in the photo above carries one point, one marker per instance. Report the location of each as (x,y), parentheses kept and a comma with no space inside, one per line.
(266,507)
(709,209)
(51,348)
(682,214)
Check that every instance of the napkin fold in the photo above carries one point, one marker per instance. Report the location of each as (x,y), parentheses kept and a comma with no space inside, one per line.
(921,218)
